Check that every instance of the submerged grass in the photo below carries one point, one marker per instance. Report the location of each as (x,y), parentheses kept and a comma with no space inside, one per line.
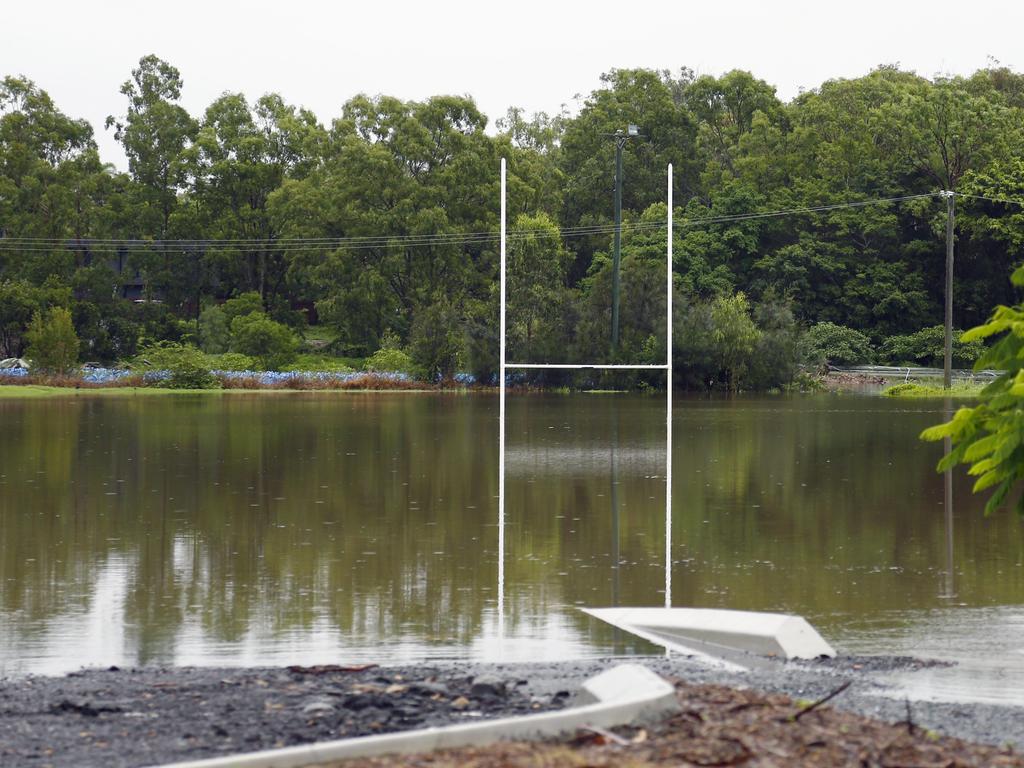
(28,391)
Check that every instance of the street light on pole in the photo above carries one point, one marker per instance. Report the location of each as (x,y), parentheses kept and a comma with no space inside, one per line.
(621,138)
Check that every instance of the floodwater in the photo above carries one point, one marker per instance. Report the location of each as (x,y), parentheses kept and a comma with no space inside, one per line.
(316,528)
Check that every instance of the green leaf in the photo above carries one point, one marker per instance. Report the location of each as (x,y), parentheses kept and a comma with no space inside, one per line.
(998,496)
(984,331)
(938,432)
(951,459)
(982,467)
(982,447)
(988,480)
(1017,277)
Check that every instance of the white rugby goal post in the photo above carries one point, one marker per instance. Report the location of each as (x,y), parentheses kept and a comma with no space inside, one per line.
(504,366)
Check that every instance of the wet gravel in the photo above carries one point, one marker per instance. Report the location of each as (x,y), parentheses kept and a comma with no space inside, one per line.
(154,716)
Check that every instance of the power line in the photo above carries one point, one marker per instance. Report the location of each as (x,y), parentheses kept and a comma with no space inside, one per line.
(815,209)
(366,242)
(47,244)
(1006,201)
(584,229)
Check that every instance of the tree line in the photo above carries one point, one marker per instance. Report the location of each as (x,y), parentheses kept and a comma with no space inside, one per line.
(375,231)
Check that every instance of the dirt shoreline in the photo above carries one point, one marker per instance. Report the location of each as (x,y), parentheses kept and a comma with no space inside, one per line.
(152,716)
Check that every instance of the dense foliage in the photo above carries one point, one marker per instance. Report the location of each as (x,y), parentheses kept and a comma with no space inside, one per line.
(927,347)
(828,343)
(238,229)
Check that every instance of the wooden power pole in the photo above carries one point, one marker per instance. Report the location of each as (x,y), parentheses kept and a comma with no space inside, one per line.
(947,367)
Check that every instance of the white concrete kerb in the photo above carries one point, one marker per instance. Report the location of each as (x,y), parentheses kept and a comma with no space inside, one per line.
(687,630)
(624,694)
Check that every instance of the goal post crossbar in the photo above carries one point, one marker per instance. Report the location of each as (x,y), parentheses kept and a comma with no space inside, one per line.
(570,366)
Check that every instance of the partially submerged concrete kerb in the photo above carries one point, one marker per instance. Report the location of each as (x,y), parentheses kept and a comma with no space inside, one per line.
(697,630)
(625,694)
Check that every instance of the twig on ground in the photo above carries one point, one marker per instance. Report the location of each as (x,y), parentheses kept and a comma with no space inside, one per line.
(591,734)
(815,704)
(909,722)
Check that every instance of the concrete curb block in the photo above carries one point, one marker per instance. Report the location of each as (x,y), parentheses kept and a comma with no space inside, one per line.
(624,694)
(782,635)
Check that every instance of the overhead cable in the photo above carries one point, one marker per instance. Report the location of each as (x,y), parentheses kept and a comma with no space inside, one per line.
(1006,201)
(289,245)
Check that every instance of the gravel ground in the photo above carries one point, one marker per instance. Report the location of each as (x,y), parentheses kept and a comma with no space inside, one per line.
(153,716)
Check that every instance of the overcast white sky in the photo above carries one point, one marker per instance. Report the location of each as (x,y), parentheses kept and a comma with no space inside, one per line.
(531,53)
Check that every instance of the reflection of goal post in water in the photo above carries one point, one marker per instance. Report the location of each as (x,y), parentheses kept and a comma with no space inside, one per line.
(666,366)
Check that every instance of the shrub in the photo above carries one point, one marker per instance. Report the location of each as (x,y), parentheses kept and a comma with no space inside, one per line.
(271,343)
(161,356)
(435,340)
(52,342)
(214,331)
(734,336)
(318,363)
(831,343)
(928,347)
(390,357)
(390,360)
(190,372)
(184,365)
(232,361)
(242,305)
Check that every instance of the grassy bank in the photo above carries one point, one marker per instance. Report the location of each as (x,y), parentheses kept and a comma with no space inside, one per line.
(917,391)
(39,391)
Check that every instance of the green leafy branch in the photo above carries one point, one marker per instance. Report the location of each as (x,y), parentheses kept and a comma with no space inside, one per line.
(990,436)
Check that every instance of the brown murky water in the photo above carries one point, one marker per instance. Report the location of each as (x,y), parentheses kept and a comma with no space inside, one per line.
(266,529)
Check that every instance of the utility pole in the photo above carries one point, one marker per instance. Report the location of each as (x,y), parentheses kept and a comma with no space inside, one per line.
(620,141)
(947,368)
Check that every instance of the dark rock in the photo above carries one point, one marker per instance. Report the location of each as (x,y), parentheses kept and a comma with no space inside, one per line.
(361,701)
(84,708)
(427,688)
(488,686)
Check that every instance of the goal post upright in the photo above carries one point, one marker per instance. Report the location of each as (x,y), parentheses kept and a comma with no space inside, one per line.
(501,421)
(668,402)
(504,366)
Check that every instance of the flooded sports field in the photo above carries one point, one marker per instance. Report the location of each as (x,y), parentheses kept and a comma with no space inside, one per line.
(284,528)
